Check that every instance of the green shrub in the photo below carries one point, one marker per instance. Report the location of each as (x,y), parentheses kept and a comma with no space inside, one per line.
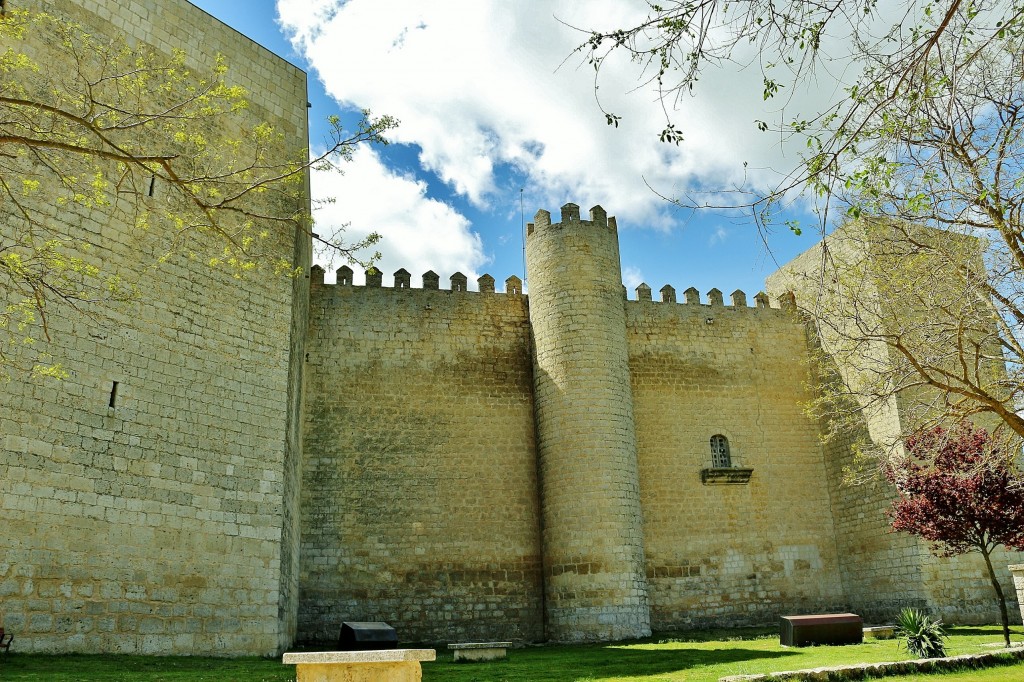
(924,636)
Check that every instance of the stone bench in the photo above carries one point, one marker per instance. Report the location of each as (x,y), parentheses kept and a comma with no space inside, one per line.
(824,628)
(880,632)
(479,651)
(390,665)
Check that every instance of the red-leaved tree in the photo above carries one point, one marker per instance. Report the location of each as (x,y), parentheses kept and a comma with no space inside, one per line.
(958,491)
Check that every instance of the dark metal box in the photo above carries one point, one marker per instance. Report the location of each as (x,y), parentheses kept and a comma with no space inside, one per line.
(827,628)
(358,636)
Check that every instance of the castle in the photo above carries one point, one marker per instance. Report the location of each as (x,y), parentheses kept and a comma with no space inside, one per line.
(244,465)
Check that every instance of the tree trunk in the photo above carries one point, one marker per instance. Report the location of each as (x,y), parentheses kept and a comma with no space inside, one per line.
(999,593)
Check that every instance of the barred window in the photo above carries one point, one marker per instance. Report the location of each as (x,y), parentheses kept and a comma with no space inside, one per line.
(720,452)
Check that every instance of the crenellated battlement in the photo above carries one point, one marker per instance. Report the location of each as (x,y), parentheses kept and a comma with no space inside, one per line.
(458,282)
(571,215)
(715,298)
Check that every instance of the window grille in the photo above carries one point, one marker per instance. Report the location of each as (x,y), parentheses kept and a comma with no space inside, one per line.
(720,452)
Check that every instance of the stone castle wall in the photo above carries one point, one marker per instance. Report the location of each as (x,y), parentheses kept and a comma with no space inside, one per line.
(391,376)
(151,518)
(419,500)
(729,553)
(392,373)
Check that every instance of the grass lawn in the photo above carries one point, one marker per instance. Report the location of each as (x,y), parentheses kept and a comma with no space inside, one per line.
(103,668)
(698,657)
(690,656)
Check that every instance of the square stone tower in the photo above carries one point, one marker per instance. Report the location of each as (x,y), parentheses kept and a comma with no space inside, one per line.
(149,498)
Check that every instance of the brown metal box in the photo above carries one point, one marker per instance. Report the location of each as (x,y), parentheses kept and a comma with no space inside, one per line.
(827,628)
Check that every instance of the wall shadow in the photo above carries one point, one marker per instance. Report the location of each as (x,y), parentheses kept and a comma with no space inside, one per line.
(594,663)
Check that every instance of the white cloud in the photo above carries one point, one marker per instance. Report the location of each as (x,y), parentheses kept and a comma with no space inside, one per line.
(718,236)
(418,233)
(632,277)
(479,84)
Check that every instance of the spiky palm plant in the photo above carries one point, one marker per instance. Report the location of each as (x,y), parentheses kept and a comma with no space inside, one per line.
(924,635)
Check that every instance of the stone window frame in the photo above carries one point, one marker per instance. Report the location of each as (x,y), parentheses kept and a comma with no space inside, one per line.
(727,470)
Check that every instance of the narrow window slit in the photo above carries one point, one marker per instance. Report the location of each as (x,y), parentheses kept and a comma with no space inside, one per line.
(113,394)
(152,179)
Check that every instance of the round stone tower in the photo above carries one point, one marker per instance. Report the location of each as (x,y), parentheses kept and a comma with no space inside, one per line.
(594,576)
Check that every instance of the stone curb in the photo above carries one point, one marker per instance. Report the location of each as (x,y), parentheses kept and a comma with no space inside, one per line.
(868,670)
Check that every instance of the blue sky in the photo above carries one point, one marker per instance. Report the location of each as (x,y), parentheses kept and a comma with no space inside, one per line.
(490,106)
